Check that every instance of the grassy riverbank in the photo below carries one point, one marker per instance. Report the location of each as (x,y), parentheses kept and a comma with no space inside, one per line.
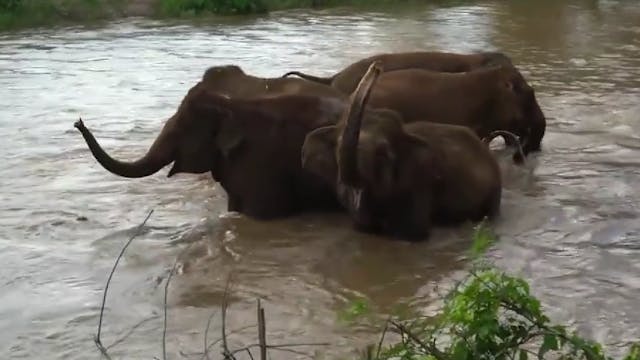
(34,13)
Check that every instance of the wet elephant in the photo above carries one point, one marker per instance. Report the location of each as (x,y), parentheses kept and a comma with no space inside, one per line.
(232,81)
(419,100)
(398,178)
(348,78)
(494,97)
(252,147)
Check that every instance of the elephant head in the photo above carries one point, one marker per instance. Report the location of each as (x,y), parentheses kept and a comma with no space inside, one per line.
(513,107)
(528,120)
(374,164)
(192,139)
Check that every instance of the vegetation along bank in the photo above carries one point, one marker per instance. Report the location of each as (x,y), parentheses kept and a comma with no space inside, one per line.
(15,14)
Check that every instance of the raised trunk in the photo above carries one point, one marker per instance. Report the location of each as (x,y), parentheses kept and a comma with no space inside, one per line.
(149,164)
(347,151)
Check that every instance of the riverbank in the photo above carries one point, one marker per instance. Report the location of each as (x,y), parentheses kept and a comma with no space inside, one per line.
(18,14)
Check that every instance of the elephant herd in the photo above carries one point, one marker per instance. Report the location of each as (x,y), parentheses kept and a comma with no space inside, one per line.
(399,141)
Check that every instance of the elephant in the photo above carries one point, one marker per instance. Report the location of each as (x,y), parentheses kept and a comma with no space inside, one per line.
(399,178)
(348,78)
(232,81)
(494,97)
(443,62)
(251,146)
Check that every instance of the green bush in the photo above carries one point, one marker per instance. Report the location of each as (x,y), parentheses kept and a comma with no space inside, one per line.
(22,13)
(489,315)
(196,7)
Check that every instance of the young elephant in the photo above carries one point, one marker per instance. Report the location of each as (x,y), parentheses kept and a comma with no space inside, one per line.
(398,178)
(492,98)
(232,81)
(251,147)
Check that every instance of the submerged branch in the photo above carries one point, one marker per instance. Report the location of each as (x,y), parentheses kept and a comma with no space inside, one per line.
(97,339)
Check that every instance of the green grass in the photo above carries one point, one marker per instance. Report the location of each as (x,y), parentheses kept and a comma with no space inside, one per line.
(34,13)
(182,8)
(197,7)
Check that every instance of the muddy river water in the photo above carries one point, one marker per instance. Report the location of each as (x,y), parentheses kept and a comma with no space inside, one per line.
(570,221)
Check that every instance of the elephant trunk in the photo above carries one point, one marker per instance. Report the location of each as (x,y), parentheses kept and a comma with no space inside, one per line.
(536,130)
(149,164)
(347,149)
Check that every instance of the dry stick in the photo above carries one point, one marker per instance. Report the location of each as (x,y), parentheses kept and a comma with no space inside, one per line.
(230,332)
(131,331)
(206,336)
(250,354)
(96,338)
(225,348)
(262,332)
(166,292)
(430,349)
(384,332)
(278,348)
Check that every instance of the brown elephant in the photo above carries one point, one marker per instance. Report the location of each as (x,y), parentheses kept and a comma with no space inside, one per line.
(494,97)
(445,62)
(348,78)
(251,146)
(232,81)
(398,178)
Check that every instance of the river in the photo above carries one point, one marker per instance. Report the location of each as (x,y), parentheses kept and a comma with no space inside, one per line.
(569,220)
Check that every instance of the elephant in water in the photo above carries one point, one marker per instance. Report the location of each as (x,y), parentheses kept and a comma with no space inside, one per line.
(398,178)
(348,78)
(492,98)
(448,84)
(232,81)
(251,146)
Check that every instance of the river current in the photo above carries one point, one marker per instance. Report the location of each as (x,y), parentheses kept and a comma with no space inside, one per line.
(569,220)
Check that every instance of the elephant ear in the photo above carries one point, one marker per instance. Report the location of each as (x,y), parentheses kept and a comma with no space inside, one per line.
(230,135)
(215,107)
(425,159)
(318,153)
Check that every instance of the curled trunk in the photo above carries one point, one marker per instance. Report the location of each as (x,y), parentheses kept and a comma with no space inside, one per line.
(351,122)
(149,164)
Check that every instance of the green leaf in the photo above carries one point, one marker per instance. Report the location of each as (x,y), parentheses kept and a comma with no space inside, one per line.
(460,352)
(523,355)
(550,342)
(356,309)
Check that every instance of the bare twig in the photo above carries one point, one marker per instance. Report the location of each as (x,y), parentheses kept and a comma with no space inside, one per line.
(206,336)
(281,347)
(262,332)
(131,331)
(97,338)
(229,333)
(425,347)
(384,332)
(250,354)
(166,293)
(225,304)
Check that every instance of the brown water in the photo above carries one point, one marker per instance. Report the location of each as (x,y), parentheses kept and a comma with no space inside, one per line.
(569,222)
